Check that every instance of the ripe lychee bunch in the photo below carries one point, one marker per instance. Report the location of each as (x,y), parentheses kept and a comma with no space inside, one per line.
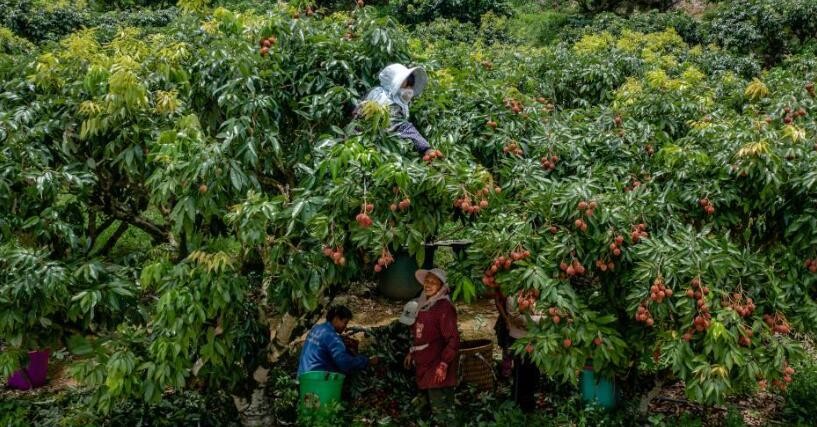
(777,323)
(557,315)
(580,225)
(605,266)
(513,105)
(745,339)
(615,247)
(491,124)
(401,205)
(363,217)
(588,208)
(639,232)
(644,316)
(575,268)
(384,261)
(707,206)
(742,305)
(549,162)
(503,263)
(659,291)
(431,155)
(698,292)
(513,148)
(265,44)
(810,89)
(634,183)
(811,264)
(526,299)
(335,254)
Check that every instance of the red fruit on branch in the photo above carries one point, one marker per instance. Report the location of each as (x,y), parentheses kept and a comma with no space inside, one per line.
(556,319)
(393,207)
(492,124)
(597,341)
(567,343)
(368,207)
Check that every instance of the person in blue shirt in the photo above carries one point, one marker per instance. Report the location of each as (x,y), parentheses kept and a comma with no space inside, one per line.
(324,349)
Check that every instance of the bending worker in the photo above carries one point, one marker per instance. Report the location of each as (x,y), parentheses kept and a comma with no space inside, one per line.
(325,350)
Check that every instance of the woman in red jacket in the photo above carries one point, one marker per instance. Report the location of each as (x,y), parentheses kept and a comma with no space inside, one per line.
(436,342)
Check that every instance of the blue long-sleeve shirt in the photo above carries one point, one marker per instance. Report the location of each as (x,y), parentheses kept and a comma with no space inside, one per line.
(324,350)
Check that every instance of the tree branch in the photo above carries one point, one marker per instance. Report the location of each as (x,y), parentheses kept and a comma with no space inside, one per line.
(123,226)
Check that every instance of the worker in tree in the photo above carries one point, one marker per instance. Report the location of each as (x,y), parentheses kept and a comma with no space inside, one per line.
(525,373)
(436,341)
(324,349)
(398,86)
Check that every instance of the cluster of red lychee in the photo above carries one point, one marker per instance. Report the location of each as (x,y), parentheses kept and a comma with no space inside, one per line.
(549,162)
(777,323)
(513,105)
(745,339)
(471,207)
(431,155)
(556,315)
(811,265)
(615,247)
(659,291)
(363,217)
(588,208)
(639,232)
(384,261)
(503,263)
(698,292)
(644,316)
(810,89)
(575,268)
(707,206)
(634,183)
(336,254)
(401,205)
(266,44)
(791,115)
(526,299)
(744,306)
(605,266)
(513,148)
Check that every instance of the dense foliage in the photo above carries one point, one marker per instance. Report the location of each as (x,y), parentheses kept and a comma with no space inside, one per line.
(179,200)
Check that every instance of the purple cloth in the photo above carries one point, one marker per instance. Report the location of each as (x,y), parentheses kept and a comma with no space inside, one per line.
(407,130)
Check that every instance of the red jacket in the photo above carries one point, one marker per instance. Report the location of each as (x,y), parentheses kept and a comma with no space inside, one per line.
(436,327)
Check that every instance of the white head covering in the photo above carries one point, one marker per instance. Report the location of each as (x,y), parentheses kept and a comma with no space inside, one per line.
(391,80)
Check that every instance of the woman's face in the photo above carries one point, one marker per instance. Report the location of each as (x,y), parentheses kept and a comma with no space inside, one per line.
(431,285)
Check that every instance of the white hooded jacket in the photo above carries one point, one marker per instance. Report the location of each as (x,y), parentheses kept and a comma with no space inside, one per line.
(391,80)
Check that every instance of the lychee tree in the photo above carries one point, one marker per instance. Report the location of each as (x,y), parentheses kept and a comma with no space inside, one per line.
(652,203)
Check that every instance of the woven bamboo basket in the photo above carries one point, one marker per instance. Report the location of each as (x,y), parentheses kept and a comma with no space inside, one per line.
(476,363)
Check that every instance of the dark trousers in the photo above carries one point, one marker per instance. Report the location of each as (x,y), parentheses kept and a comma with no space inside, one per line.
(525,382)
(441,401)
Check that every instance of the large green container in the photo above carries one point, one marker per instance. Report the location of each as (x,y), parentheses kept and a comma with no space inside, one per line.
(326,386)
(397,282)
(596,388)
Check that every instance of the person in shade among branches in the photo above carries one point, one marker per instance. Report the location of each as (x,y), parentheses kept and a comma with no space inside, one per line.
(324,349)
(399,85)
(436,341)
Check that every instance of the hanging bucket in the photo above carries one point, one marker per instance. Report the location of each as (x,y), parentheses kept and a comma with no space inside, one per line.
(397,281)
(598,389)
(34,374)
(325,386)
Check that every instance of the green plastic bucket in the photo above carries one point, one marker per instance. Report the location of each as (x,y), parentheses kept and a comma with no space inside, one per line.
(326,386)
(596,388)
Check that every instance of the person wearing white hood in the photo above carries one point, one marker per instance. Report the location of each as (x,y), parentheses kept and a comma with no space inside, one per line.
(399,85)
